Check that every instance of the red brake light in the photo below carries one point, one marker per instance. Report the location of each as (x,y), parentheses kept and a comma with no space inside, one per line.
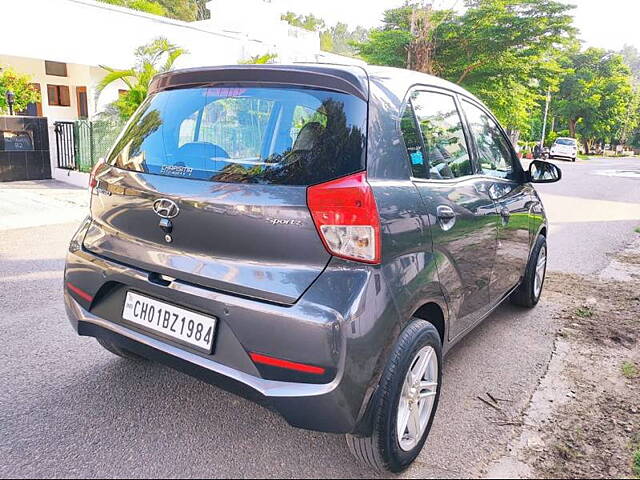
(276,362)
(78,291)
(346,217)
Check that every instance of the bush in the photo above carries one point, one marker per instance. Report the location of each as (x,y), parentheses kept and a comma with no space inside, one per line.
(20,84)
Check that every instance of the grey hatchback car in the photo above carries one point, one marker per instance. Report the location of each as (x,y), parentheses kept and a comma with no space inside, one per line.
(312,237)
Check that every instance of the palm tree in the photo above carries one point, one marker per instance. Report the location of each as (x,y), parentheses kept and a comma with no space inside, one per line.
(151,59)
(260,59)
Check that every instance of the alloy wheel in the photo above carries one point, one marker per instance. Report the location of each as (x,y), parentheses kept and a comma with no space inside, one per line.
(541,268)
(417,398)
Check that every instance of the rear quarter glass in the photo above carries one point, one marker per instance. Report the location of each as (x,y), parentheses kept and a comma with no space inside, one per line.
(275,135)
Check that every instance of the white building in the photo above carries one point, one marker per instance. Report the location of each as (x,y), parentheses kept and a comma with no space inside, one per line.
(62,43)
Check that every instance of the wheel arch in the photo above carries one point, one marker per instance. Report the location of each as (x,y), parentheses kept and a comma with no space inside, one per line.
(433,313)
(543,231)
(431,309)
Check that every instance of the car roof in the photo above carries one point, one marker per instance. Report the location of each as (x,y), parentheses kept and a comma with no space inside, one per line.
(403,79)
(352,79)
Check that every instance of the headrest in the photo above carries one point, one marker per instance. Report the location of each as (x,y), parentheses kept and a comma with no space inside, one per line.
(308,136)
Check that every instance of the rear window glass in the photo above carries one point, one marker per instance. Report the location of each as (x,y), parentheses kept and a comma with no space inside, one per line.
(565,141)
(289,136)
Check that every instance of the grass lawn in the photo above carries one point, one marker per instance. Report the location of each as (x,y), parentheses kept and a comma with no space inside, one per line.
(581,156)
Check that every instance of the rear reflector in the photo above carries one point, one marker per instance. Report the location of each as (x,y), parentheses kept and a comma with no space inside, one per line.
(346,217)
(276,362)
(81,293)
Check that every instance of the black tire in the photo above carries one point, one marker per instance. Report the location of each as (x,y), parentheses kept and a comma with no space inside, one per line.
(120,352)
(381,451)
(525,295)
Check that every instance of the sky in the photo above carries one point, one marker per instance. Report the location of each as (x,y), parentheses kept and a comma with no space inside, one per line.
(603,23)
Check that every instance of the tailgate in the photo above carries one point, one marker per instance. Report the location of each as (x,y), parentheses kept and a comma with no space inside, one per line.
(208,185)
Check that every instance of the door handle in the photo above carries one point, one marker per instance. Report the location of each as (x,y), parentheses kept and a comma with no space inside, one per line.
(445,212)
(505,213)
(446,217)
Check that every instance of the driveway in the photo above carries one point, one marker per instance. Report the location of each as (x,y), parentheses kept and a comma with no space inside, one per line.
(72,409)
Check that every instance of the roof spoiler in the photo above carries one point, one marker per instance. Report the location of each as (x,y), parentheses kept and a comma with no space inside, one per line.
(352,81)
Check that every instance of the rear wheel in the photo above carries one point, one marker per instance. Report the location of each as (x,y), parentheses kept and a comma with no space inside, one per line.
(529,291)
(120,352)
(405,402)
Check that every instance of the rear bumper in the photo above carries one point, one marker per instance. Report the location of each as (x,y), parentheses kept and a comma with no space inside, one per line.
(313,331)
(309,406)
(562,155)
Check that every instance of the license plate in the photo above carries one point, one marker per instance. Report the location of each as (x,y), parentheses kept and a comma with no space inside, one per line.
(178,323)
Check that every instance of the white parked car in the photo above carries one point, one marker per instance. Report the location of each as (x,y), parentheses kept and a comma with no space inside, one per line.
(564,148)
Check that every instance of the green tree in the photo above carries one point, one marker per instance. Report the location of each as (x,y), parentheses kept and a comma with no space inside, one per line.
(308,22)
(326,41)
(494,48)
(386,47)
(20,84)
(147,6)
(337,39)
(631,57)
(156,57)
(631,130)
(595,98)
(506,52)
(202,12)
(340,39)
(634,139)
(186,10)
(399,18)
(260,59)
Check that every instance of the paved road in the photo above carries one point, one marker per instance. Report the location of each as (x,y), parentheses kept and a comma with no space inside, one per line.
(68,408)
(593,211)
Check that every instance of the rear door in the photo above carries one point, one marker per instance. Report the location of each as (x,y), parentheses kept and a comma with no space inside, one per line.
(208,185)
(503,178)
(463,216)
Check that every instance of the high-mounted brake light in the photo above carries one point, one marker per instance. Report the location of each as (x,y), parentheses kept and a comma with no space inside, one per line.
(346,217)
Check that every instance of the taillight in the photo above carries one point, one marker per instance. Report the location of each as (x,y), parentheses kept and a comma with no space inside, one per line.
(92,177)
(345,214)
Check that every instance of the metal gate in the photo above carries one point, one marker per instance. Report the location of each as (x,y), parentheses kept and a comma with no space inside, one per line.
(84,146)
(82,143)
(65,145)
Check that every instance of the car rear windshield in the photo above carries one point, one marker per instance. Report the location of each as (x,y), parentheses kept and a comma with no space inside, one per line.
(286,136)
(565,141)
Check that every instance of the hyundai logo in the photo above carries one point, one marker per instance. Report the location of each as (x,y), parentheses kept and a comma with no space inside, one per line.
(166,208)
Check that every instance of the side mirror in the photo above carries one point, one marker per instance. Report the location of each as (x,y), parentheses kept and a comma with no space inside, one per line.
(544,172)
